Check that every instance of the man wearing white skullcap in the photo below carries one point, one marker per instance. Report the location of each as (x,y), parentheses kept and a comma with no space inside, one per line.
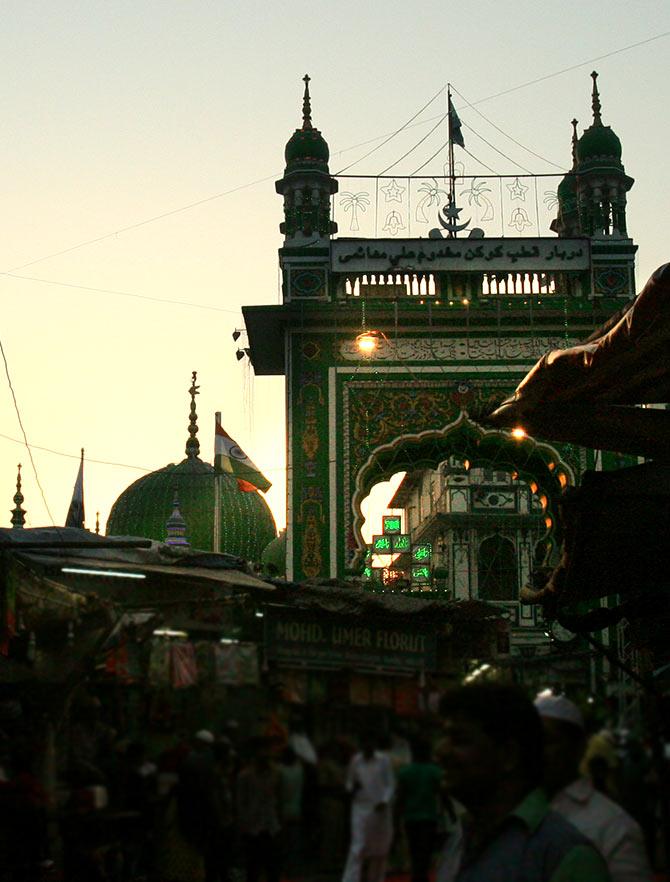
(617,836)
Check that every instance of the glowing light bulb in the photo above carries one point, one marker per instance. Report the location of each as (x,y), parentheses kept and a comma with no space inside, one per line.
(519,433)
(465,301)
(367,342)
(562,479)
(548,523)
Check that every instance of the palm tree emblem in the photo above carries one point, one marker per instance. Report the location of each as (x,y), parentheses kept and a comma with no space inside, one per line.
(476,197)
(355,202)
(431,197)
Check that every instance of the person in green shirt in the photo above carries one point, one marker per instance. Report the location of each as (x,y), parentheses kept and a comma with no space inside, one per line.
(492,756)
(418,796)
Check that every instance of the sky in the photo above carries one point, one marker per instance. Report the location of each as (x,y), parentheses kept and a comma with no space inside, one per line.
(153,132)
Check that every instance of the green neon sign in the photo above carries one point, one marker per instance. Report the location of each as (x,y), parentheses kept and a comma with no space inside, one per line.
(422,553)
(381,544)
(421,575)
(391,524)
(401,542)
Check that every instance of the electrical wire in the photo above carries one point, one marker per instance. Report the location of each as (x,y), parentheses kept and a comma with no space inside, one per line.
(77,456)
(418,144)
(487,167)
(23,432)
(122,293)
(493,147)
(393,134)
(143,223)
(387,138)
(498,129)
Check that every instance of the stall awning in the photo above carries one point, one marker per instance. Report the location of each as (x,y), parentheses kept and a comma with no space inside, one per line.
(585,394)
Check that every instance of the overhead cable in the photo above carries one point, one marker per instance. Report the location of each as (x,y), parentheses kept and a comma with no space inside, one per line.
(23,432)
(122,293)
(393,134)
(418,144)
(498,129)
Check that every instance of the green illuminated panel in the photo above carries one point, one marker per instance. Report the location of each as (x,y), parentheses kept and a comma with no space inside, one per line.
(422,553)
(381,544)
(391,524)
(420,575)
(400,542)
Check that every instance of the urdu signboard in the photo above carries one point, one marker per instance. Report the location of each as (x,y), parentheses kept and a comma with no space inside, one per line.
(297,639)
(460,255)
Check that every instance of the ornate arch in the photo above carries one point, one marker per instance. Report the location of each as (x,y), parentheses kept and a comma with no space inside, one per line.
(538,463)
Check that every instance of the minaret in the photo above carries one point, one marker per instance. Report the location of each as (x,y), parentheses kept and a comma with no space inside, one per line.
(592,204)
(602,182)
(18,512)
(192,444)
(175,526)
(307,188)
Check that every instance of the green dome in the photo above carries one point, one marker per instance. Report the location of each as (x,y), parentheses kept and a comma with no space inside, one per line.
(143,509)
(598,142)
(273,557)
(307,147)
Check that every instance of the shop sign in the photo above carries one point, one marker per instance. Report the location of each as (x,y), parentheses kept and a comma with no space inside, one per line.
(295,640)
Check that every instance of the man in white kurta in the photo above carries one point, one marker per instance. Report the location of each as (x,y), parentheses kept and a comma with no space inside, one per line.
(370,781)
(615,834)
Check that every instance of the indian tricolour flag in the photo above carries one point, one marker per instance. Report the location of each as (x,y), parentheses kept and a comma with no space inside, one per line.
(231,459)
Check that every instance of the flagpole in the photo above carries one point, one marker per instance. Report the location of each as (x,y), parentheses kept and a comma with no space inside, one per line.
(452,178)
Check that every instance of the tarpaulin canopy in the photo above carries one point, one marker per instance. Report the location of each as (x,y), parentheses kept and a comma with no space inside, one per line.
(584,394)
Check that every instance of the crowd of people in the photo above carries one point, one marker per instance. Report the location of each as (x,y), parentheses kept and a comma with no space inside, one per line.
(500,789)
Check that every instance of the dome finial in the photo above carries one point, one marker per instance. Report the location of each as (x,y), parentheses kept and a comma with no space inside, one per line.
(193,445)
(595,101)
(306,105)
(574,142)
(18,514)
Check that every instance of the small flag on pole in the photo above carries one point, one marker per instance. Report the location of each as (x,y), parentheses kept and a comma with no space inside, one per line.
(231,459)
(75,513)
(455,133)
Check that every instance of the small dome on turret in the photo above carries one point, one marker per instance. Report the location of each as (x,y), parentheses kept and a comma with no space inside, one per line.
(598,144)
(307,148)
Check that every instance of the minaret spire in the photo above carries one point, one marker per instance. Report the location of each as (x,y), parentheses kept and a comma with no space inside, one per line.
(193,445)
(595,101)
(306,106)
(574,143)
(18,513)
(175,526)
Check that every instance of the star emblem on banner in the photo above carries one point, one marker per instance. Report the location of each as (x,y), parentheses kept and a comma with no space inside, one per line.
(517,189)
(393,191)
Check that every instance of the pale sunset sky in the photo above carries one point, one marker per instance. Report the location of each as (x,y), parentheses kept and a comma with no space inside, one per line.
(115,113)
